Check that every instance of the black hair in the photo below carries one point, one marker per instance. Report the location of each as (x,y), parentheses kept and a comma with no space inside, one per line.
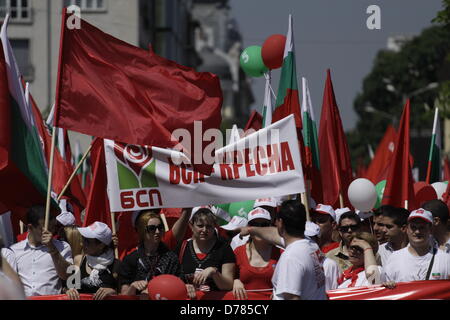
(398,215)
(35,214)
(293,214)
(438,209)
(350,215)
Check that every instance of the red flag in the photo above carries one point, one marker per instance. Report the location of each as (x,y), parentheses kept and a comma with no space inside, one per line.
(254,122)
(379,166)
(335,165)
(97,208)
(399,191)
(446,169)
(110,89)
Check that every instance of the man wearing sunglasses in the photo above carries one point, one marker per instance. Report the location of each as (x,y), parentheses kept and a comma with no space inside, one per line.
(349,223)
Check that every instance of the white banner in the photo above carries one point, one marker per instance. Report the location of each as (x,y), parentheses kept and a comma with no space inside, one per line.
(265,164)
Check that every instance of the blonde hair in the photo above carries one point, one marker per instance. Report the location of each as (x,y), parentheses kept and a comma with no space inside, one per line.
(141,223)
(74,239)
(369,238)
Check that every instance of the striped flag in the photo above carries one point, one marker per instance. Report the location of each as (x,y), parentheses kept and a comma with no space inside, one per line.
(21,154)
(434,160)
(287,98)
(310,138)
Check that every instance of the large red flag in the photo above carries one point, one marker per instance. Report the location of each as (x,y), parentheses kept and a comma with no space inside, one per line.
(110,89)
(379,165)
(335,165)
(399,191)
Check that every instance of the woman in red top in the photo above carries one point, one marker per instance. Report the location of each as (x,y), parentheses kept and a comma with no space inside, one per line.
(255,260)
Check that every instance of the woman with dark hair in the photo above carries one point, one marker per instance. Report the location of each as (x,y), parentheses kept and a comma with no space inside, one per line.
(364,270)
(255,260)
(208,262)
(152,258)
(98,268)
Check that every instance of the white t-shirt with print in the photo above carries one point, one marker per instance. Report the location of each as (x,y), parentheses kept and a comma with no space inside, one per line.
(332,273)
(362,280)
(300,272)
(402,266)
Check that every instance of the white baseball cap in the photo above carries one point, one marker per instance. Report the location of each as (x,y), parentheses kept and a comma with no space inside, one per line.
(97,230)
(311,229)
(339,212)
(259,213)
(66,218)
(269,202)
(326,209)
(235,223)
(421,214)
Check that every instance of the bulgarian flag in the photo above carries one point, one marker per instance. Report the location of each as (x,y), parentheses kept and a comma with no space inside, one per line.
(23,171)
(267,108)
(434,160)
(310,138)
(287,99)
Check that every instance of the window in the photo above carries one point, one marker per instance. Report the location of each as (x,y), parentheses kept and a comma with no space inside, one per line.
(87,5)
(21,49)
(19,10)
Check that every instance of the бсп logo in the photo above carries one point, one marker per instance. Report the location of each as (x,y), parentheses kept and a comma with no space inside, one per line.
(136,166)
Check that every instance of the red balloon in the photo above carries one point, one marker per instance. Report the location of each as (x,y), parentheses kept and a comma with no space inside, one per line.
(167,287)
(423,193)
(273,50)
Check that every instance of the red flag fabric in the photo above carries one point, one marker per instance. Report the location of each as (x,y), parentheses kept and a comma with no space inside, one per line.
(110,89)
(399,191)
(97,208)
(61,169)
(335,165)
(446,169)
(254,122)
(379,165)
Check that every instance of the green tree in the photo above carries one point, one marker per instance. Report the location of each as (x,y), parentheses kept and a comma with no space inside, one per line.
(413,72)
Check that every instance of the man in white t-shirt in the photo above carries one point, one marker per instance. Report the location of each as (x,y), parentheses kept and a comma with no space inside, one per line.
(420,260)
(392,226)
(299,273)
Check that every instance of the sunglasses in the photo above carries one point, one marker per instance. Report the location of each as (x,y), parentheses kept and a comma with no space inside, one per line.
(350,228)
(356,249)
(152,228)
(259,224)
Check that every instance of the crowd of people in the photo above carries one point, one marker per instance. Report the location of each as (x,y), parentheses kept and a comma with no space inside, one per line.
(273,249)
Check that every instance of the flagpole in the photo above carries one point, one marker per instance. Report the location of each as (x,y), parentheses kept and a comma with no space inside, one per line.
(406,204)
(113,227)
(164,221)
(341,200)
(50,176)
(74,173)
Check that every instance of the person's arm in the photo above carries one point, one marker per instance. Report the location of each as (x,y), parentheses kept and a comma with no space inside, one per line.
(11,274)
(289,296)
(180,226)
(224,280)
(59,261)
(269,234)
(370,262)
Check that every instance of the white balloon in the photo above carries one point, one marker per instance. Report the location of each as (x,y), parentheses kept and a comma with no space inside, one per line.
(362,194)
(440,188)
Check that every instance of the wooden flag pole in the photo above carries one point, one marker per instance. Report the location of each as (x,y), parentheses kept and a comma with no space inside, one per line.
(406,204)
(74,173)
(305,202)
(164,220)
(341,200)
(113,226)
(50,176)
